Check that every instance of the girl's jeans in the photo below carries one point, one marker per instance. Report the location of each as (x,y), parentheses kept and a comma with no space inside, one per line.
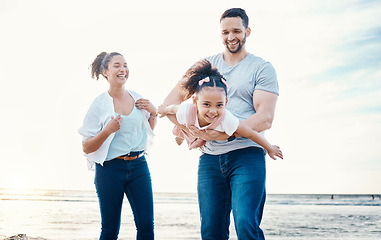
(116,178)
(234,181)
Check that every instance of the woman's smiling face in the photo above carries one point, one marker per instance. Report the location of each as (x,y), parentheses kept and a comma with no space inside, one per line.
(117,71)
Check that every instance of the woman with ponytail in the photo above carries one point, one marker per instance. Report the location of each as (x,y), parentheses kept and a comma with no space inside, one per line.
(115,132)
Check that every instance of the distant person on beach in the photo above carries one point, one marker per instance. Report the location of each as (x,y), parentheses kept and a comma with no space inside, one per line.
(115,132)
(209,90)
(232,171)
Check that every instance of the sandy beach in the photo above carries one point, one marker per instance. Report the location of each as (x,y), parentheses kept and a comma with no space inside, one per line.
(22,237)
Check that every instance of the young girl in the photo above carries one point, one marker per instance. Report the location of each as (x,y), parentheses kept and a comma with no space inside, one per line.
(115,132)
(208,110)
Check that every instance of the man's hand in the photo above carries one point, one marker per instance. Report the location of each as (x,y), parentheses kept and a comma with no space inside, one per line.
(208,134)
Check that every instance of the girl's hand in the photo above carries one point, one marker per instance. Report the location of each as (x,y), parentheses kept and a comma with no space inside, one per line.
(165,110)
(162,111)
(114,124)
(275,152)
(145,104)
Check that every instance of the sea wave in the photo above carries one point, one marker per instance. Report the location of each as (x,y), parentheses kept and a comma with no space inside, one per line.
(325,199)
(191,198)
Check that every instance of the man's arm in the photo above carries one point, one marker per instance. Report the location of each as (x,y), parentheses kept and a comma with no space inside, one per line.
(176,96)
(264,105)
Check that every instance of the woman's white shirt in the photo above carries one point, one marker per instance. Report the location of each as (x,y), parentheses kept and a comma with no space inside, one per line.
(99,114)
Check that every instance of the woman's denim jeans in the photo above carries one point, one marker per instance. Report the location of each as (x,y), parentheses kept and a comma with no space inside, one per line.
(234,181)
(116,178)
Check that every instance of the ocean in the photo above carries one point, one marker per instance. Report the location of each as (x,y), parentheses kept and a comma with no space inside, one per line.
(74,215)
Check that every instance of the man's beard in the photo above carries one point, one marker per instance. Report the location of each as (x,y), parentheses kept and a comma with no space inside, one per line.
(240,45)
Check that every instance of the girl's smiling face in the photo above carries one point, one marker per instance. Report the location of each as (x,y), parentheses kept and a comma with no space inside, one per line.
(210,103)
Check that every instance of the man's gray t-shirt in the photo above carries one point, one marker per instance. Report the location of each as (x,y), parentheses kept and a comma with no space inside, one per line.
(252,73)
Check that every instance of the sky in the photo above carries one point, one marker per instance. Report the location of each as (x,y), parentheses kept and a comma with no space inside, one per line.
(327,55)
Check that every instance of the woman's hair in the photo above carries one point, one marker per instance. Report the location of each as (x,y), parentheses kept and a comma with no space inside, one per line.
(202,70)
(101,62)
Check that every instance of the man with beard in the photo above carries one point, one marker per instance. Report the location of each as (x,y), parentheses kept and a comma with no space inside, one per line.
(232,170)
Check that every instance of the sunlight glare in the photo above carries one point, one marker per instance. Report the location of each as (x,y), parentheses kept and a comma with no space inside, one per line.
(17,184)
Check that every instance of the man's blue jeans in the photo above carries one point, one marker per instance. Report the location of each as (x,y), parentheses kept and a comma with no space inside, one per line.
(234,181)
(116,178)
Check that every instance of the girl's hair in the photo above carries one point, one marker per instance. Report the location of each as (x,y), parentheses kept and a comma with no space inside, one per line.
(199,71)
(101,62)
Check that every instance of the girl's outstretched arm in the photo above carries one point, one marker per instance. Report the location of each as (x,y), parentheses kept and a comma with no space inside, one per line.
(170,111)
(165,110)
(245,131)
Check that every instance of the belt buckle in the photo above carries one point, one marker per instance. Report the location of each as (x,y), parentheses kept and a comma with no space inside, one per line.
(130,157)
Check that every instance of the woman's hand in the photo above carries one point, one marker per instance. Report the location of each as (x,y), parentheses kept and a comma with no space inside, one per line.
(145,104)
(275,152)
(92,144)
(114,124)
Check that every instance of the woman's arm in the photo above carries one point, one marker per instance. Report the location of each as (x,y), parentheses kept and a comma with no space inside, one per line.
(92,144)
(245,131)
(152,121)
